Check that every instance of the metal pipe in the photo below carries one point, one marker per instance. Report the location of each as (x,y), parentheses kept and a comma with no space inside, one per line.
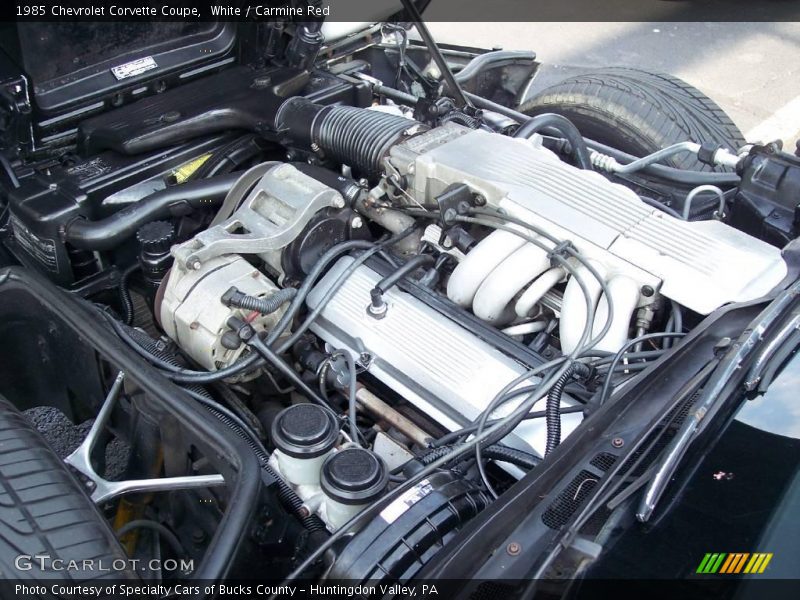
(669,173)
(687,206)
(436,54)
(371,403)
(610,164)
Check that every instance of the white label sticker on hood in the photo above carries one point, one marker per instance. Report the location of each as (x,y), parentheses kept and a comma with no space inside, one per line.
(135,67)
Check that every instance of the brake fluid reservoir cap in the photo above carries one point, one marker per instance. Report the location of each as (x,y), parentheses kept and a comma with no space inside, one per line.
(354,476)
(305,431)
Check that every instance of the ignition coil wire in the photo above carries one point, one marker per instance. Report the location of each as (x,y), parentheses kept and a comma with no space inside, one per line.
(605,392)
(584,344)
(323,302)
(369,512)
(254,360)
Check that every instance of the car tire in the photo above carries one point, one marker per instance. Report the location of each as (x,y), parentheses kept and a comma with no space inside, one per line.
(44,511)
(638,112)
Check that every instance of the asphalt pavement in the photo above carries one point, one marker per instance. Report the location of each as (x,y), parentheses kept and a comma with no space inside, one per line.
(752,70)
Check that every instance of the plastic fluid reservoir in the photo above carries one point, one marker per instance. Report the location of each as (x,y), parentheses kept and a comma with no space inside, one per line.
(352,479)
(304,435)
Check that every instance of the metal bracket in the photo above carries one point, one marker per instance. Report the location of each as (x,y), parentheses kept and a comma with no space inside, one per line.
(272,216)
(103,489)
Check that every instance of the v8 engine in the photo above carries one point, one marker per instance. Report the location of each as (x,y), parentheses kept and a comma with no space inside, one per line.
(518,281)
(351,307)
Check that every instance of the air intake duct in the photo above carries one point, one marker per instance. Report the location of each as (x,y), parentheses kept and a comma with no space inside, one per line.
(358,137)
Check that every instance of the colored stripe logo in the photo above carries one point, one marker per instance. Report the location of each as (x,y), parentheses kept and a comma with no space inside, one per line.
(734,562)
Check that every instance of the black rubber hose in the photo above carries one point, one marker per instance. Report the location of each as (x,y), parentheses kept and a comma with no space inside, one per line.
(526,460)
(270,356)
(173,201)
(566,128)
(679,176)
(454,436)
(152,347)
(552,407)
(125,294)
(353,136)
(228,158)
(419,261)
(162,530)
(346,186)
(265,306)
(461,119)
(285,493)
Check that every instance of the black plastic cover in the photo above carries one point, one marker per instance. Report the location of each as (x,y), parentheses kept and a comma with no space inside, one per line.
(305,431)
(394,546)
(767,204)
(354,476)
(71,63)
(238,98)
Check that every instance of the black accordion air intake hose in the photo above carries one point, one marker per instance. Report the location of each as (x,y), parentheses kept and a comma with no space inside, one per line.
(357,137)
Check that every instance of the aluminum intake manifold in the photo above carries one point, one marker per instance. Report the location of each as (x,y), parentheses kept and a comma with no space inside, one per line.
(701,265)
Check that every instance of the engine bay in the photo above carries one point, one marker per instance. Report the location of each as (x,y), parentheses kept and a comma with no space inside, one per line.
(393,298)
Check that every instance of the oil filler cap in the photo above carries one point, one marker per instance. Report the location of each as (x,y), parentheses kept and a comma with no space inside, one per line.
(354,476)
(305,431)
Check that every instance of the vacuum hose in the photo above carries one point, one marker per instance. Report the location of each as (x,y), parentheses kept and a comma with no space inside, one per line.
(356,137)
(566,128)
(553,405)
(520,458)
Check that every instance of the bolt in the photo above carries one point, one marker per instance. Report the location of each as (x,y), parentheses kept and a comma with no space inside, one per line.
(618,442)
(513,549)
(356,222)
(314,147)
(647,291)
(338,202)
(303,512)
(194,264)
(480,200)
(194,325)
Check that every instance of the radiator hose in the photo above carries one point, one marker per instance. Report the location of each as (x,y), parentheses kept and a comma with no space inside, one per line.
(357,137)
(173,201)
(563,126)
